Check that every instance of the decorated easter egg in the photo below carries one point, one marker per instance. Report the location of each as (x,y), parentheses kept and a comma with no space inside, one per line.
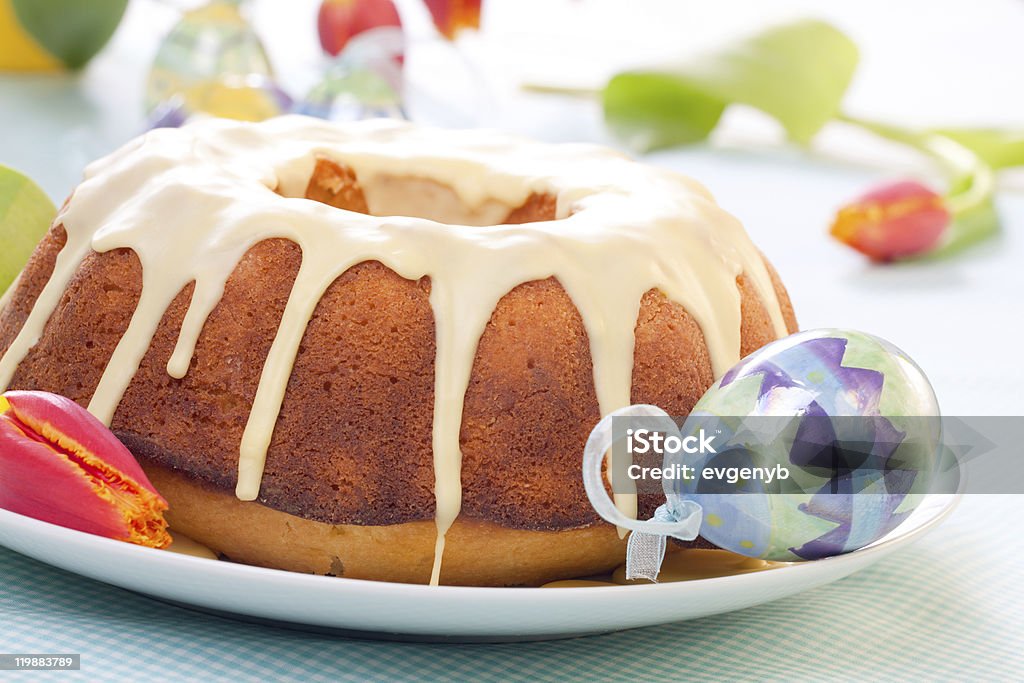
(250,98)
(824,442)
(211,43)
(364,81)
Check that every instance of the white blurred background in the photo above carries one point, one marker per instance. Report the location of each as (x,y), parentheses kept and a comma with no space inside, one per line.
(957,62)
(948,62)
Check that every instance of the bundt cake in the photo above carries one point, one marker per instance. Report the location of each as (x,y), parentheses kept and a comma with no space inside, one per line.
(360,349)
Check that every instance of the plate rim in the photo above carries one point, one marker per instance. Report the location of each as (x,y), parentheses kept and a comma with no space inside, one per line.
(380,610)
(314,581)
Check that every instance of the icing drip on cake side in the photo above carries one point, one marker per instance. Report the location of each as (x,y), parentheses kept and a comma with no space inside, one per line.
(191,202)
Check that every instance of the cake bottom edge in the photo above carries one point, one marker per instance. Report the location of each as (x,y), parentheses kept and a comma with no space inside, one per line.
(477,553)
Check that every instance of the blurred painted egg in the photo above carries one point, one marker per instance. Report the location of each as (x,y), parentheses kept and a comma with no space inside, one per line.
(249,98)
(824,442)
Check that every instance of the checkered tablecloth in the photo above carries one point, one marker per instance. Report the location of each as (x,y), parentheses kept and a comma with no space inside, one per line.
(950,607)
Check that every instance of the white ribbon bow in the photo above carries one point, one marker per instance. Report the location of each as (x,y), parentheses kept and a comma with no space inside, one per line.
(677,518)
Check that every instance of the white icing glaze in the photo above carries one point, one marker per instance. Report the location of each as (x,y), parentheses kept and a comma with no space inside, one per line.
(682,565)
(183,545)
(8,294)
(191,202)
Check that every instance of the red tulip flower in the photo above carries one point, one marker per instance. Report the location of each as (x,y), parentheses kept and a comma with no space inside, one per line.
(893,221)
(61,465)
(451,16)
(341,20)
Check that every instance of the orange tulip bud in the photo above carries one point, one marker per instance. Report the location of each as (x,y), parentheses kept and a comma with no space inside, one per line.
(451,16)
(893,221)
(59,464)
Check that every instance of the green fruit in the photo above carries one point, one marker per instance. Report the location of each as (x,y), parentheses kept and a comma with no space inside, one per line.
(25,216)
(70,30)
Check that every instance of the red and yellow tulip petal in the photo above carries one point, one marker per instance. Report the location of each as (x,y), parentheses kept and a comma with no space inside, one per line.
(64,422)
(32,474)
(61,465)
(451,16)
(894,221)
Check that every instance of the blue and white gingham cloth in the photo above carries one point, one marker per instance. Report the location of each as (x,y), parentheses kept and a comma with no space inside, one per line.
(950,607)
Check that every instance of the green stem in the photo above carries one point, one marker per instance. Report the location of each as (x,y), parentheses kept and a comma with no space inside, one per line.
(544,89)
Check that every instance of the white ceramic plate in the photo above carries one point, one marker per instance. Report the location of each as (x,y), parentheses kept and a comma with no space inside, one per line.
(393,610)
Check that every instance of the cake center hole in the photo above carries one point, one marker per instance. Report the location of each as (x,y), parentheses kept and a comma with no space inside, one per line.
(337,186)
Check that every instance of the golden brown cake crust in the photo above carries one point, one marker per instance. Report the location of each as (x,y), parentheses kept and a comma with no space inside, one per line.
(476,554)
(351,445)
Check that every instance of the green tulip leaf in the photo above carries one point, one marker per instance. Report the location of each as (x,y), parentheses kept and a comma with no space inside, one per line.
(997,148)
(70,30)
(969,226)
(796,73)
(651,110)
(25,216)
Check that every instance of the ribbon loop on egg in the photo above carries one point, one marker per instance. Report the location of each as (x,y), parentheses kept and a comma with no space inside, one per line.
(677,518)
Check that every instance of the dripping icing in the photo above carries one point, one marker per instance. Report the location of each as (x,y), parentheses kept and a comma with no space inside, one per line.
(191,202)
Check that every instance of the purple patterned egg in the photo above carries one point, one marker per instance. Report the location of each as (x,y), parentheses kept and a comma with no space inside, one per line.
(838,433)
